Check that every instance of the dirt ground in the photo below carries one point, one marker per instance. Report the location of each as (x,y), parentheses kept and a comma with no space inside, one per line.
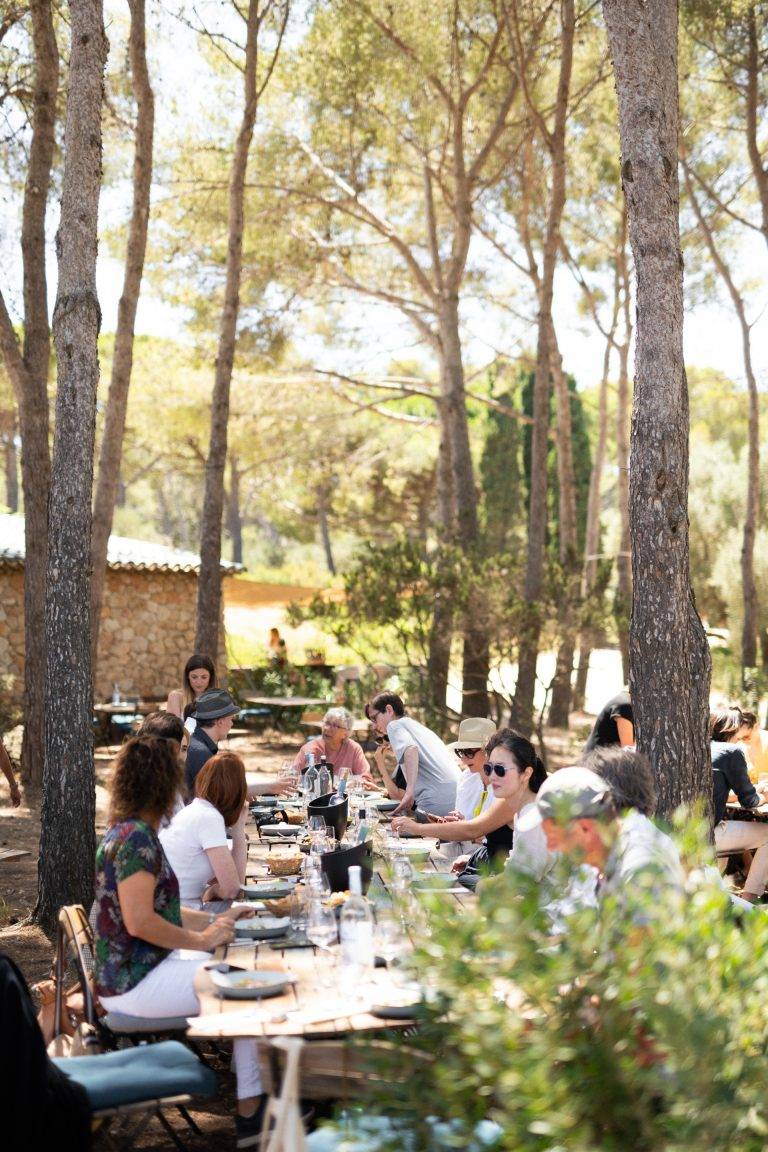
(29,947)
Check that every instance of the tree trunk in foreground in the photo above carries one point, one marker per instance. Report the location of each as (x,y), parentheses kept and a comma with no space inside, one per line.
(122,364)
(209,581)
(669,657)
(68,835)
(622,605)
(29,375)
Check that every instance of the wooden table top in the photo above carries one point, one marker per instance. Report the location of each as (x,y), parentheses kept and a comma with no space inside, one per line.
(284,701)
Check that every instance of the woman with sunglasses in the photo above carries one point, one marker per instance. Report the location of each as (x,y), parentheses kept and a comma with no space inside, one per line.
(515,773)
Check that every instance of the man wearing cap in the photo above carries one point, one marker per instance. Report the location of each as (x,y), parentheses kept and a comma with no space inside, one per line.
(214,712)
(580,819)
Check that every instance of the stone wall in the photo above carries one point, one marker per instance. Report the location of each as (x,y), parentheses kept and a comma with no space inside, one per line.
(147,632)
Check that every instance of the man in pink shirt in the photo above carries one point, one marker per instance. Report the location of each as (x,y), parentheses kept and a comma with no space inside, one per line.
(336,744)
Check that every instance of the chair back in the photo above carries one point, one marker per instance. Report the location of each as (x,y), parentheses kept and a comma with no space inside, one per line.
(74,946)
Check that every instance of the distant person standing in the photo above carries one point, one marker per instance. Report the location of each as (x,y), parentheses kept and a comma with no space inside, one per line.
(429,769)
(278,652)
(614,725)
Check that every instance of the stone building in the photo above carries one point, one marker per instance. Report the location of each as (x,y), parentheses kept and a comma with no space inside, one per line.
(148,619)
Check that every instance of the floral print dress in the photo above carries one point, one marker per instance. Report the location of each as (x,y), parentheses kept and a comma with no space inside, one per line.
(123,960)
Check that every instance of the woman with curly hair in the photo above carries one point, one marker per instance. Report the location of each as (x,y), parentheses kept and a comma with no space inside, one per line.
(139,925)
(195,841)
(199,676)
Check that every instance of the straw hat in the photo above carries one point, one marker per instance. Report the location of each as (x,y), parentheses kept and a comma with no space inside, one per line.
(474,732)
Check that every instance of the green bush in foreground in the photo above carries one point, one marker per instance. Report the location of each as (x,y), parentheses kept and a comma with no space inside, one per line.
(617,1037)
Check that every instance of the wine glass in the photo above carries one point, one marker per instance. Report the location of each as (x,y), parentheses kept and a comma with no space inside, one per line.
(388,936)
(321,925)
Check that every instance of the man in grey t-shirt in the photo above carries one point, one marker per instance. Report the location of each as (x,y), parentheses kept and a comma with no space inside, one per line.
(430,770)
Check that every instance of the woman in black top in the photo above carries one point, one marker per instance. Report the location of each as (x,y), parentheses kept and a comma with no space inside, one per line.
(730,773)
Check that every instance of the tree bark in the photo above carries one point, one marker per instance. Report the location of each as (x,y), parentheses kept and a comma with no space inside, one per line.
(752,510)
(441,631)
(752,119)
(234,517)
(11,464)
(476,658)
(669,657)
(522,708)
(29,375)
(122,363)
(67,838)
(560,705)
(592,533)
(209,582)
(622,606)
(322,519)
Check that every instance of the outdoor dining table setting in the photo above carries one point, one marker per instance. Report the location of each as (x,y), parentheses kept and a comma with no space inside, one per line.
(286,972)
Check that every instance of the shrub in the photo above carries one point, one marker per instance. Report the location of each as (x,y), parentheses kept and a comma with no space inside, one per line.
(615,1037)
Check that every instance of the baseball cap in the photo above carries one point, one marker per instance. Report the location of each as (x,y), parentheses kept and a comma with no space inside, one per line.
(568,794)
(214,704)
(474,732)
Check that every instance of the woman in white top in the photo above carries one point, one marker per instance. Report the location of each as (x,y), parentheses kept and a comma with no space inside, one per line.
(195,841)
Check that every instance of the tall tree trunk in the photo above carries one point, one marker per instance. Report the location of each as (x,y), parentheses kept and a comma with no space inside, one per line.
(441,631)
(122,363)
(560,706)
(669,657)
(325,531)
(537,510)
(592,533)
(234,513)
(29,375)
(755,71)
(209,582)
(11,464)
(622,607)
(466,529)
(67,837)
(752,510)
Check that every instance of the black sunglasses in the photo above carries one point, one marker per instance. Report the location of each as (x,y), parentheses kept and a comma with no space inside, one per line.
(466,753)
(499,769)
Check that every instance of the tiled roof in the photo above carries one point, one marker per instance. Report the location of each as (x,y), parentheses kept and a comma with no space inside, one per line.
(122,552)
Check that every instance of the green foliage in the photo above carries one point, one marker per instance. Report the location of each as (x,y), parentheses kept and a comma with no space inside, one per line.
(613,1037)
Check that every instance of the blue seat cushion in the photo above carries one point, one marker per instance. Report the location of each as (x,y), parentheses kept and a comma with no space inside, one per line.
(121,1023)
(133,1075)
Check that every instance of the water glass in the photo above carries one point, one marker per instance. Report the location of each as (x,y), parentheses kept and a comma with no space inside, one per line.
(388,936)
(321,925)
(299,911)
(402,874)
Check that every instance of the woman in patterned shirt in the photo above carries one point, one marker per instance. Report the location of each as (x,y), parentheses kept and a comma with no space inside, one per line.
(138,922)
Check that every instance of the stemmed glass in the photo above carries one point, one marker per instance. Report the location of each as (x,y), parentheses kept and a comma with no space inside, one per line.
(388,936)
(323,933)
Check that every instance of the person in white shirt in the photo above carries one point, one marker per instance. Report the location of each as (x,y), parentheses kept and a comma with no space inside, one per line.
(429,771)
(474,793)
(195,841)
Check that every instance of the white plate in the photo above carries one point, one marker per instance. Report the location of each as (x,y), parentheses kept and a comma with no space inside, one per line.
(271,889)
(263,927)
(250,985)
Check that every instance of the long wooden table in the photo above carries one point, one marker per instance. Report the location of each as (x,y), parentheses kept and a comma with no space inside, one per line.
(315,1006)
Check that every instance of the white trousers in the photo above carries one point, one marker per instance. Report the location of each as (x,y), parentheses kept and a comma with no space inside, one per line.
(168,990)
(746,835)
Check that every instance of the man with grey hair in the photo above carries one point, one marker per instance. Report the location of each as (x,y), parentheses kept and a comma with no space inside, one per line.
(335,742)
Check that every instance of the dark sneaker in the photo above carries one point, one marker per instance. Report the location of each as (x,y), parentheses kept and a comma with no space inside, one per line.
(248,1128)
